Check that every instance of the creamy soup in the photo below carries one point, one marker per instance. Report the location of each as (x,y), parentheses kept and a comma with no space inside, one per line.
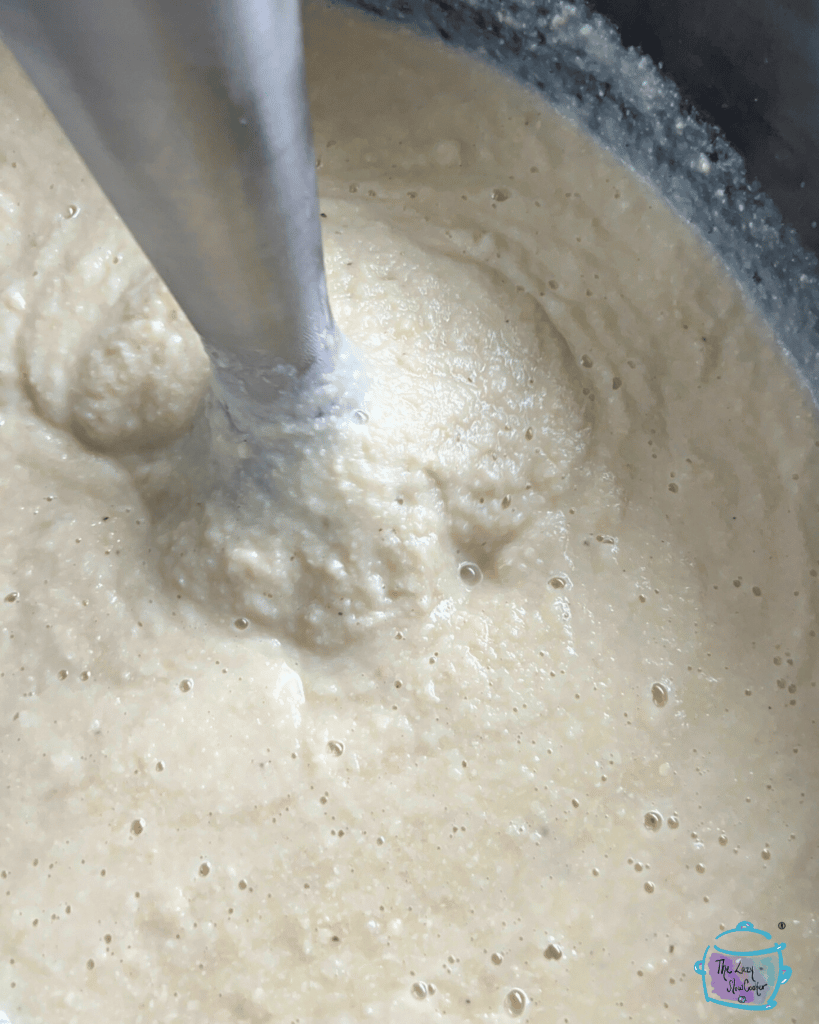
(501,699)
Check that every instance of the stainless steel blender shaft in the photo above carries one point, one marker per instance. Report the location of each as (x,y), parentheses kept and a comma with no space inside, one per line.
(192,115)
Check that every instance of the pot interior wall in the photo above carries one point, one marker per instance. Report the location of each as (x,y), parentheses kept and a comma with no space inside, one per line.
(752,66)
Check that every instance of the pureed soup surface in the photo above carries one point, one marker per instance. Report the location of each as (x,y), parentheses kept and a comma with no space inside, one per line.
(518,712)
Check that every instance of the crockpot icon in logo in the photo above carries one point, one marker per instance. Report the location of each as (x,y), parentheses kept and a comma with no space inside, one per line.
(741,970)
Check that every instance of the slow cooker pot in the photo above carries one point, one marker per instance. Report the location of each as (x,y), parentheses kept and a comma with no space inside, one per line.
(746,979)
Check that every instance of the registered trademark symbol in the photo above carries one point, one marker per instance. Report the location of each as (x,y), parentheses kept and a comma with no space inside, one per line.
(781,925)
